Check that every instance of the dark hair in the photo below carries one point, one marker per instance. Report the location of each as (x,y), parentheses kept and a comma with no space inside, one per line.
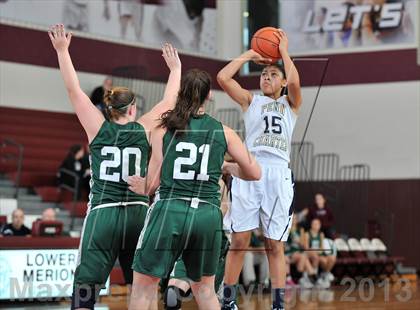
(195,87)
(117,101)
(73,150)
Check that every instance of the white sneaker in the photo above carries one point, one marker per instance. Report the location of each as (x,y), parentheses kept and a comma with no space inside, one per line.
(305,283)
(322,283)
(329,276)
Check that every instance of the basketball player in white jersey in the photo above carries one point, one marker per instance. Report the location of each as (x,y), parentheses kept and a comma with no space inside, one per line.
(269,122)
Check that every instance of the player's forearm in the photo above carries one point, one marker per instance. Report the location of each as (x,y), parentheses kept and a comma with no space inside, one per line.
(172,88)
(68,72)
(292,74)
(152,180)
(251,172)
(233,67)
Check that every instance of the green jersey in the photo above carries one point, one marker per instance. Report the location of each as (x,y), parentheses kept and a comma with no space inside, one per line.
(117,151)
(315,241)
(192,164)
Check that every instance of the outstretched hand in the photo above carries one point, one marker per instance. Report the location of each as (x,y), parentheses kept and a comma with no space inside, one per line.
(137,184)
(170,54)
(59,38)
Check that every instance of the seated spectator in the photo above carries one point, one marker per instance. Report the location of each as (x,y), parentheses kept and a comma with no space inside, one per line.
(321,211)
(48,215)
(318,254)
(47,225)
(97,96)
(253,258)
(295,255)
(75,162)
(16,228)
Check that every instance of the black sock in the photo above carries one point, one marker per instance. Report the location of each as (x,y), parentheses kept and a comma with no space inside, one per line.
(229,293)
(278,298)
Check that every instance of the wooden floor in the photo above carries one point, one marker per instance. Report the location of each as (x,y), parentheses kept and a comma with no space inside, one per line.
(395,297)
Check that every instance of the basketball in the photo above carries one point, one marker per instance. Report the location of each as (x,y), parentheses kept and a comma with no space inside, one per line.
(265,43)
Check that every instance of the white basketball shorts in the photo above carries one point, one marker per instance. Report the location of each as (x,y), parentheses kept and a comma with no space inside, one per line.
(267,201)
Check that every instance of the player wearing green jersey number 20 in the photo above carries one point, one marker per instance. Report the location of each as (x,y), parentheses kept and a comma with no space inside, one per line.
(185,220)
(119,148)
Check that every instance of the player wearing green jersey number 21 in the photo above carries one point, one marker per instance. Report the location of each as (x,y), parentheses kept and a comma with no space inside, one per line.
(119,148)
(185,220)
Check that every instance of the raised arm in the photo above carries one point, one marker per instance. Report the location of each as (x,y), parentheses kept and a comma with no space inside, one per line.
(292,75)
(152,118)
(245,165)
(225,79)
(89,116)
(149,184)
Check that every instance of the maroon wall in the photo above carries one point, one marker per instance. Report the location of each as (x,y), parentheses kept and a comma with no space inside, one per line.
(395,204)
(102,57)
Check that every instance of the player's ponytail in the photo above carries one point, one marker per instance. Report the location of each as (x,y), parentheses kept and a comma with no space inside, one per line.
(195,87)
(117,101)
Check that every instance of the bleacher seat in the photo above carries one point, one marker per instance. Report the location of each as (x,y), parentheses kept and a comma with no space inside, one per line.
(47,228)
(46,137)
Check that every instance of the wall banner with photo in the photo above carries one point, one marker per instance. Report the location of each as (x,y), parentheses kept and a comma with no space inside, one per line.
(189,24)
(326,24)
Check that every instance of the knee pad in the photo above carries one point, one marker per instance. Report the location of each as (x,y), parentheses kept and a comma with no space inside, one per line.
(173,298)
(84,296)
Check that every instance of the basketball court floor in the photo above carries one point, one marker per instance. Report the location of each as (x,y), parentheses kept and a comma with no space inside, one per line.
(356,296)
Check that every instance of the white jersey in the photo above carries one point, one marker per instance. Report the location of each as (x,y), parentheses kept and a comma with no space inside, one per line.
(269,127)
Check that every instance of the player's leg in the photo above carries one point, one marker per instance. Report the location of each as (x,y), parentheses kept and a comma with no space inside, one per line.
(143,291)
(204,293)
(157,250)
(276,216)
(220,270)
(133,221)
(277,267)
(98,250)
(174,294)
(201,256)
(235,257)
(234,262)
(244,216)
(177,288)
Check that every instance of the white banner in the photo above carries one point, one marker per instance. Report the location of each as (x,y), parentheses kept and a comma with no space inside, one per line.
(314,25)
(38,274)
(191,28)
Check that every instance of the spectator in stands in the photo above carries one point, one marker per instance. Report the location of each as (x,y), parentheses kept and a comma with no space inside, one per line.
(321,211)
(319,254)
(257,257)
(97,96)
(16,228)
(74,164)
(295,255)
(48,215)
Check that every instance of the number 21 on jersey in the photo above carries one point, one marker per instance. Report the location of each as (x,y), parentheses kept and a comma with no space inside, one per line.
(191,160)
